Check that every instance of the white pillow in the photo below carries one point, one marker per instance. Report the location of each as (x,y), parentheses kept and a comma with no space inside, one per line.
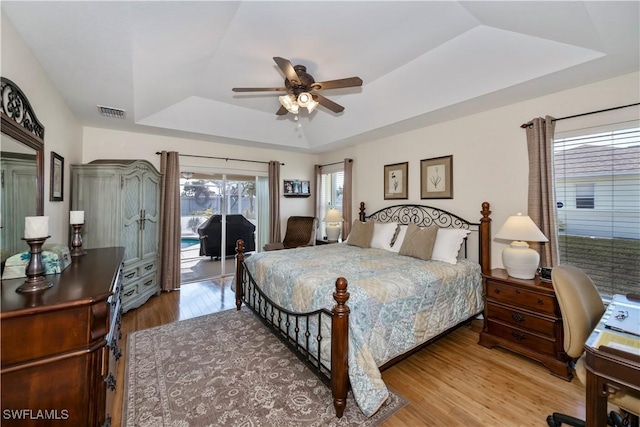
(399,238)
(447,246)
(382,235)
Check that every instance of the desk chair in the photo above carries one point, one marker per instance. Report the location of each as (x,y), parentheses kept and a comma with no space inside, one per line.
(581,307)
(301,231)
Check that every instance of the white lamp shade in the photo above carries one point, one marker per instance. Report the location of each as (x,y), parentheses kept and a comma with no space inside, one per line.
(333,215)
(521,227)
(289,102)
(520,261)
(76,217)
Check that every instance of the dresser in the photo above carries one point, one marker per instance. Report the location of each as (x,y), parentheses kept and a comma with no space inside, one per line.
(60,347)
(121,204)
(523,316)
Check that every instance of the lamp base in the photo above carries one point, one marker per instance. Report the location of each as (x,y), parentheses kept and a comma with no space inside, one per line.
(520,261)
(333,232)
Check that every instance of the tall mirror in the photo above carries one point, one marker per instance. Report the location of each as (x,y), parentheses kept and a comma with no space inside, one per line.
(22,168)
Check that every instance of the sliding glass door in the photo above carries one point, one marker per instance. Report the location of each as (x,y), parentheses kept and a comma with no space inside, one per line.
(217,210)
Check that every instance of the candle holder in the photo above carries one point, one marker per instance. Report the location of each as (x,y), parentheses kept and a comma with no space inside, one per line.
(36,279)
(76,241)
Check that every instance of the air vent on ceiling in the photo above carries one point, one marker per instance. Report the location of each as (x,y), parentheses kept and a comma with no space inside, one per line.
(115,113)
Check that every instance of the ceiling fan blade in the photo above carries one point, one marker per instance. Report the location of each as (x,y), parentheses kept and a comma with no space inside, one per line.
(288,70)
(259,89)
(335,84)
(336,108)
(282,111)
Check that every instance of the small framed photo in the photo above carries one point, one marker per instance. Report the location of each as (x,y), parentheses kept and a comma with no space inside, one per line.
(296,188)
(396,181)
(57,178)
(436,178)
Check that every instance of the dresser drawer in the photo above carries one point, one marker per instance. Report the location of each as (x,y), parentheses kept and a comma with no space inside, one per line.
(522,319)
(521,297)
(147,268)
(129,276)
(522,337)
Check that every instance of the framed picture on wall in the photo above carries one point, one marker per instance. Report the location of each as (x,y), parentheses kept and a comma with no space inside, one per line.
(396,181)
(436,178)
(296,188)
(57,178)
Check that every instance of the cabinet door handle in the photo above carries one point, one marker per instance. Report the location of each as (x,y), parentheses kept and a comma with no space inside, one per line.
(517,317)
(518,335)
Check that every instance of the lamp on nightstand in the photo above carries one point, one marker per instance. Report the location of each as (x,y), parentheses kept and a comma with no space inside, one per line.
(519,259)
(334,219)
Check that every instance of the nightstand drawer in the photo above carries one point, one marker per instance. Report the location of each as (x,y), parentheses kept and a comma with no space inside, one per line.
(521,297)
(524,338)
(521,319)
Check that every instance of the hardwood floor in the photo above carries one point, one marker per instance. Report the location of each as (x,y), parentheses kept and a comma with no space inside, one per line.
(452,382)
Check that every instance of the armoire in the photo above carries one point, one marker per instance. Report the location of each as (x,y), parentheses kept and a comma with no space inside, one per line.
(121,204)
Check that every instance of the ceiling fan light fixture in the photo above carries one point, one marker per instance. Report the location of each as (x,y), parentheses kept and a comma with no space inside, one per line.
(289,102)
(312,106)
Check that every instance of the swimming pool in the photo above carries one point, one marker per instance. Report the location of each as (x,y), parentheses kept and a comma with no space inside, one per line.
(186,242)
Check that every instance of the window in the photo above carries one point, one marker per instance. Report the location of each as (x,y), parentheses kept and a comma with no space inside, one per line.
(331,195)
(597,182)
(584,196)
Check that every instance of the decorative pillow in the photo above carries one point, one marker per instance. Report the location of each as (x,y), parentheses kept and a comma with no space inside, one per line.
(383,235)
(398,238)
(448,242)
(360,234)
(418,242)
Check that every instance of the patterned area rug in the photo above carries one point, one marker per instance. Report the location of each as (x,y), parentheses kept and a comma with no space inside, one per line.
(227,369)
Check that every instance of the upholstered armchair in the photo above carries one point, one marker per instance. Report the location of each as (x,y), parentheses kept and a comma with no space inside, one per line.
(301,231)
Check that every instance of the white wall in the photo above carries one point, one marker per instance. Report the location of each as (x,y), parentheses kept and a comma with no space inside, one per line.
(489,149)
(62,131)
(109,144)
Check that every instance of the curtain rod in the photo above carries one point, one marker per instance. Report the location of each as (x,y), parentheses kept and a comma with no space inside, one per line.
(222,158)
(336,163)
(526,125)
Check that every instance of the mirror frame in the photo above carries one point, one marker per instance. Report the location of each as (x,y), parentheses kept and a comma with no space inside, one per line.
(19,121)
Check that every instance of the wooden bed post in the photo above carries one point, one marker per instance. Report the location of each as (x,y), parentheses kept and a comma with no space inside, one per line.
(485,239)
(361,215)
(340,347)
(239,275)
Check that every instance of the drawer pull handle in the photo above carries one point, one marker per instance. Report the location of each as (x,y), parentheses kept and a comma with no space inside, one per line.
(128,294)
(130,275)
(517,317)
(148,282)
(518,335)
(540,302)
(497,291)
(149,267)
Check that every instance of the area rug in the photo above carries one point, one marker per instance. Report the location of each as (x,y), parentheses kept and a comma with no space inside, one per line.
(227,369)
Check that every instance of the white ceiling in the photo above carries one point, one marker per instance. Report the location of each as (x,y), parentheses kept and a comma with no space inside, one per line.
(171,65)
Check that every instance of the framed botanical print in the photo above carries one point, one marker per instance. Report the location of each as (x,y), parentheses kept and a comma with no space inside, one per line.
(57,178)
(396,181)
(436,178)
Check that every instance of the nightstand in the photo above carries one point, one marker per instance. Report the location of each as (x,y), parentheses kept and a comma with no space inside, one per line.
(523,316)
(325,241)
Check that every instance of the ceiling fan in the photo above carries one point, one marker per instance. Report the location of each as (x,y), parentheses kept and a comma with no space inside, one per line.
(302,89)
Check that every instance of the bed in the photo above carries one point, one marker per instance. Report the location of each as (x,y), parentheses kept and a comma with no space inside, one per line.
(349,312)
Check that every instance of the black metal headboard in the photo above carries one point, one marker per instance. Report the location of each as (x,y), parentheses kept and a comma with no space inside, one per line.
(420,215)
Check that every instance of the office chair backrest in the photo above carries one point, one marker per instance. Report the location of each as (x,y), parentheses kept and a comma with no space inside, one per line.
(580,304)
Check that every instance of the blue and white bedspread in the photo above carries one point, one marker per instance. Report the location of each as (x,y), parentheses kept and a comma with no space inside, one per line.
(396,302)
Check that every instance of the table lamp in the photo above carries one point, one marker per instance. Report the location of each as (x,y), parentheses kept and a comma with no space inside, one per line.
(520,261)
(333,218)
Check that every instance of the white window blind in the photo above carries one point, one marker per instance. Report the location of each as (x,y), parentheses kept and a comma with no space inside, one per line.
(597,183)
(331,189)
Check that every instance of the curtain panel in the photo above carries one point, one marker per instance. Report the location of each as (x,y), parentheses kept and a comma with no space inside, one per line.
(170,221)
(274,201)
(347,195)
(542,197)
